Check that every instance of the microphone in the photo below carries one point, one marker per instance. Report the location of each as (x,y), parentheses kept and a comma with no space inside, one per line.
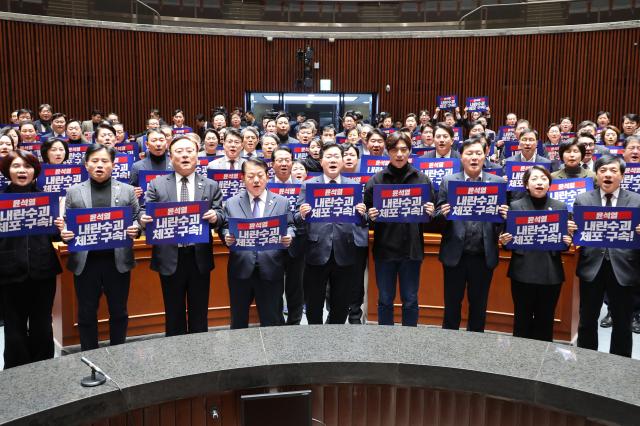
(97,378)
(95,367)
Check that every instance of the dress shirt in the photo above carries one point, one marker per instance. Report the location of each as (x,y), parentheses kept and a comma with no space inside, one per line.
(327,179)
(443,156)
(614,199)
(191,185)
(263,201)
(533,158)
(277,180)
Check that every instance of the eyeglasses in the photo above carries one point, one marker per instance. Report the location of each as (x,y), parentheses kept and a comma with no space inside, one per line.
(283,160)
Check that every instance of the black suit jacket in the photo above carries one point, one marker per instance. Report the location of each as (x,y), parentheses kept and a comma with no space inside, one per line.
(536,267)
(625,262)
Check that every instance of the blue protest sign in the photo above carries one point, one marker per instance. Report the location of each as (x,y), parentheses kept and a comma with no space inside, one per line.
(30,213)
(258,234)
(177,222)
(506,133)
(181,130)
(361,178)
(99,228)
(146,176)
(447,101)
(230,182)
(130,148)
(371,164)
(437,168)
(288,190)
(477,201)
(401,203)
(537,230)
(299,151)
(333,202)
(4,182)
(57,178)
(420,151)
(77,153)
(478,104)
(514,170)
(33,148)
(513,148)
(201,165)
(566,190)
(122,167)
(610,227)
(631,178)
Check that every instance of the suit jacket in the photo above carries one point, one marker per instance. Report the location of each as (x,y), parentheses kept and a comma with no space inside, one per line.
(452,243)
(432,154)
(297,247)
(145,164)
(322,237)
(536,267)
(79,197)
(221,163)
(625,262)
(164,257)
(272,262)
(539,158)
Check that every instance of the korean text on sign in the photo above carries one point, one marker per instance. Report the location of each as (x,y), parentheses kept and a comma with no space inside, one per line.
(28,214)
(99,228)
(401,203)
(288,190)
(566,190)
(437,168)
(537,230)
(258,234)
(177,223)
(476,200)
(611,227)
(333,202)
(230,182)
(57,178)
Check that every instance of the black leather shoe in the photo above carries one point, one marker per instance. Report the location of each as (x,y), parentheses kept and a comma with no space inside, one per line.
(606,321)
(635,324)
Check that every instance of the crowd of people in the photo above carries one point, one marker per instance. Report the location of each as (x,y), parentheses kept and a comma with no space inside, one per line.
(319,262)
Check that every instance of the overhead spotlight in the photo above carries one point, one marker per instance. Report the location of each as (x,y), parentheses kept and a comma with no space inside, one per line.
(332,40)
(269,38)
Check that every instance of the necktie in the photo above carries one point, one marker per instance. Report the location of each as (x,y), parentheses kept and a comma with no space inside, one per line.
(608,203)
(332,181)
(184,190)
(585,166)
(232,165)
(256,207)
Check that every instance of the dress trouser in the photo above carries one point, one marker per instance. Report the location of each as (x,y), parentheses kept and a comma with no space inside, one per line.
(357,295)
(472,274)
(267,294)
(620,304)
(101,276)
(293,288)
(534,307)
(28,335)
(187,282)
(315,285)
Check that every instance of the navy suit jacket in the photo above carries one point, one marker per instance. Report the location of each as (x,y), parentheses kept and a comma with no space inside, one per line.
(164,257)
(322,237)
(625,262)
(272,262)
(452,243)
(145,164)
(432,154)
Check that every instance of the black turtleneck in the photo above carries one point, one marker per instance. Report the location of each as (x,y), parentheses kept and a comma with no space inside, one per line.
(158,162)
(398,173)
(538,203)
(15,189)
(101,193)
(573,172)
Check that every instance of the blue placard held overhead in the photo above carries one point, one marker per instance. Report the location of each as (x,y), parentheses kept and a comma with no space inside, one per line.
(477,201)
(478,104)
(99,228)
(258,234)
(611,227)
(30,213)
(402,202)
(537,230)
(447,101)
(333,202)
(177,223)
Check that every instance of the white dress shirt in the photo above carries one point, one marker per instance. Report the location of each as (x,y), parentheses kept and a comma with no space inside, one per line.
(614,199)
(191,185)
(327,179)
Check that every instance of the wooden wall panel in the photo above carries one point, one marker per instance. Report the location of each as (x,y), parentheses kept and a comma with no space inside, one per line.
(540,77)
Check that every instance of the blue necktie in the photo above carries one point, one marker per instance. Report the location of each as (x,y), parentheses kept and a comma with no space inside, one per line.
(256,207)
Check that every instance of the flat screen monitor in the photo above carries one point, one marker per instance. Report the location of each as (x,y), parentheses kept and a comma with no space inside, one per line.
(276,409)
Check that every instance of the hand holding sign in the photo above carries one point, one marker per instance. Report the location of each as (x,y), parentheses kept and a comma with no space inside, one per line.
(211,216)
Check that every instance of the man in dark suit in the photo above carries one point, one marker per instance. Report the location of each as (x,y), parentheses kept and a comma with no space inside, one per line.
(156,158)
(616,271)
(443,149)
(331,250)
(283,163)
(256,274)
(589,143)
(185,269)
(469,249)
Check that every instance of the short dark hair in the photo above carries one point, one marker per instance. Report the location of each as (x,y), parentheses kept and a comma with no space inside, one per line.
(481,139)
(177,111)
(328,146)
(214,131)
(425,126)
(46,146)
(105,126)
(96,147)
(468,142)
(564,146)
(347,146)
(26,156)
(330,127)
(395,138)
(232,131)
(444,127)
(605,113)
(376,131)
(527,131)
(586,135)
(281,148)
(58,115)
(182,138)
(632,117)
(527,174)
(256,161)
(95,112)
(607,159)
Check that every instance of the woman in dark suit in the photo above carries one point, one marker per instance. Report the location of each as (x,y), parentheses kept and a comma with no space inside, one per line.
(28,269)
(536,276)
